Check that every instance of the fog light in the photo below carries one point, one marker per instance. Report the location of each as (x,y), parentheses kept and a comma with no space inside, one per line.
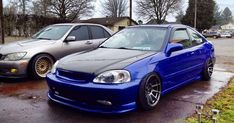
(14,70)
(104,102)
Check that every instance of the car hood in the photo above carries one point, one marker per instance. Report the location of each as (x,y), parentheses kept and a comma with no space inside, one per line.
(101,59)
(23,46)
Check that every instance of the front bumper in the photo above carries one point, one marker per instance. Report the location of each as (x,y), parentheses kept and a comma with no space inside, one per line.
(87,96)
(13,69)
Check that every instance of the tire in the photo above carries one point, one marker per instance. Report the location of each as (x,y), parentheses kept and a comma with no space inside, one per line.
(208,70)
(40,66)
(215,37)
(149,92)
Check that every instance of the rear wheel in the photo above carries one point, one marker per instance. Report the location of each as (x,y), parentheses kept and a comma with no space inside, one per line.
(208,70)
(149,92)
(40,66)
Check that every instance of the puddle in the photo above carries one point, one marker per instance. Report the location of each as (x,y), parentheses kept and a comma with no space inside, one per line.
(13,88)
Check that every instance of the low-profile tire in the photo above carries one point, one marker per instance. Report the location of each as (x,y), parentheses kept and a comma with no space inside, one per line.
(208,70)
(40,65)
(149,92)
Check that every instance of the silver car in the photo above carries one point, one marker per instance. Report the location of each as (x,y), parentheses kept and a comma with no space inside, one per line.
(35,57)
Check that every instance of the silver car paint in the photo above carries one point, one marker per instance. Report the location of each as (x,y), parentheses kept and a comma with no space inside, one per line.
(55,48)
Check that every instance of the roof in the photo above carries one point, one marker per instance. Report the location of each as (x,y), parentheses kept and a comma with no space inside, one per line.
(76,24)
(153,21)
(107,21)
(162,25)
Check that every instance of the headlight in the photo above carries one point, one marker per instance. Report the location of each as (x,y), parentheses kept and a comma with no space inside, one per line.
(14,56)
(114,76)
(53,70)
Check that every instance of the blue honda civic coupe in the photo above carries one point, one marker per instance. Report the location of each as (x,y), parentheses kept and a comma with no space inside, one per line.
(132,69)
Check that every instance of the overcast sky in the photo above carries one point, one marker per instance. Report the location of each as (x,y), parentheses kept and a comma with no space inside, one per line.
(222,4)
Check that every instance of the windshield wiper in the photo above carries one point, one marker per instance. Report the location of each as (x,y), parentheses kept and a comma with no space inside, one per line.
(103,47)
(44,38)
(124,48)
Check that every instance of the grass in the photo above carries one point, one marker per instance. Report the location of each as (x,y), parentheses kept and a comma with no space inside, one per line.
(223,101)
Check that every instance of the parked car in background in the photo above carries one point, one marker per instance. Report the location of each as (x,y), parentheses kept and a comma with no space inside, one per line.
(226,34)
(133,68)
(35,57)
(211,34)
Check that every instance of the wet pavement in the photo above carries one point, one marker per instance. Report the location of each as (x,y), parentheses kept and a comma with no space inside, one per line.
(25,101)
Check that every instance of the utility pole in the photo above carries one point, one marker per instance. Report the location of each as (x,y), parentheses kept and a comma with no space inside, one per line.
(195,15)
(130,10)
(1,23)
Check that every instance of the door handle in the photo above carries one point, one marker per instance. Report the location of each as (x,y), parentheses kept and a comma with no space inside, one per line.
(89,42)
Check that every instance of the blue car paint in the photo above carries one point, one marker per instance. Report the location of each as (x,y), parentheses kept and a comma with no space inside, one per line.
(180,68)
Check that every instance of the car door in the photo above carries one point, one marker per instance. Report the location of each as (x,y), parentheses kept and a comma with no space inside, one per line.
(176,68)
(98,35)
(82,41)
(198,53)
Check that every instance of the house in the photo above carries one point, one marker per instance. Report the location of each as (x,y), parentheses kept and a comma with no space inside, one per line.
(115,24)
(228,27)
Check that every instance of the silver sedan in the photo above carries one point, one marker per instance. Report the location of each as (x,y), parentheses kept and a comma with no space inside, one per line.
(35,57)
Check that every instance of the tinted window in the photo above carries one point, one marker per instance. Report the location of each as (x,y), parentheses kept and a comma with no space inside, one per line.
(80,32)
(107,35)
(181,36)
(98,32)
(195,38)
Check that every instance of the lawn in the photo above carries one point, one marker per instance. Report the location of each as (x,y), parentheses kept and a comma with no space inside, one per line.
(223,101)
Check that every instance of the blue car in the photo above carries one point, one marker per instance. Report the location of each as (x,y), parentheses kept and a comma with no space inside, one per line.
(132,69)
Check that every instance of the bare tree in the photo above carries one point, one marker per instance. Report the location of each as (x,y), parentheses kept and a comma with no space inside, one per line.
(41,7)
(157,9)
(23,5)
(71,9)
(10,13)
(114,8)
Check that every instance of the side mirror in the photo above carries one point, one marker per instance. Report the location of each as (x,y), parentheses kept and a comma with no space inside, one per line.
(70,38)
(172,47)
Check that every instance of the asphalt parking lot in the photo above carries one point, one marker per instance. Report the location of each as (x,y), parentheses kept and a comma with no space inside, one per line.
(25,101)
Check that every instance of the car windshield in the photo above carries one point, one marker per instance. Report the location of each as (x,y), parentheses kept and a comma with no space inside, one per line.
(143,38)
(54,32)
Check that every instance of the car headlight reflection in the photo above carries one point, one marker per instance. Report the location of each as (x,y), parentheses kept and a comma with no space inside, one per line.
(114,76)
(14,56)
(53,70)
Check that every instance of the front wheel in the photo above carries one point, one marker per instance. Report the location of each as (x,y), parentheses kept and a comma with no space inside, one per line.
(40,66)
(208,70)
(149,92)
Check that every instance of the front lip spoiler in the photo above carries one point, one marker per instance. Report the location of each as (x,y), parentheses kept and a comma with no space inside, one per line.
(71,103)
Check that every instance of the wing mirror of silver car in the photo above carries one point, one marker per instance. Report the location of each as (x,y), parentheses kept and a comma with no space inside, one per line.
(70,38)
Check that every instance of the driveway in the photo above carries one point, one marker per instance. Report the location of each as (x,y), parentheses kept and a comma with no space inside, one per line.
(25,101)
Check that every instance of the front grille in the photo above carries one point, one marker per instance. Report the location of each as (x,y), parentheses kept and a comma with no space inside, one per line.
(77,76)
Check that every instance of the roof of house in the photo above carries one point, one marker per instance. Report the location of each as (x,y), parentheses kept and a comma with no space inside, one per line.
(107,21)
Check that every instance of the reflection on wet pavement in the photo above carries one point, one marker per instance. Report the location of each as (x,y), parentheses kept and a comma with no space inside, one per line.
(28,100)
